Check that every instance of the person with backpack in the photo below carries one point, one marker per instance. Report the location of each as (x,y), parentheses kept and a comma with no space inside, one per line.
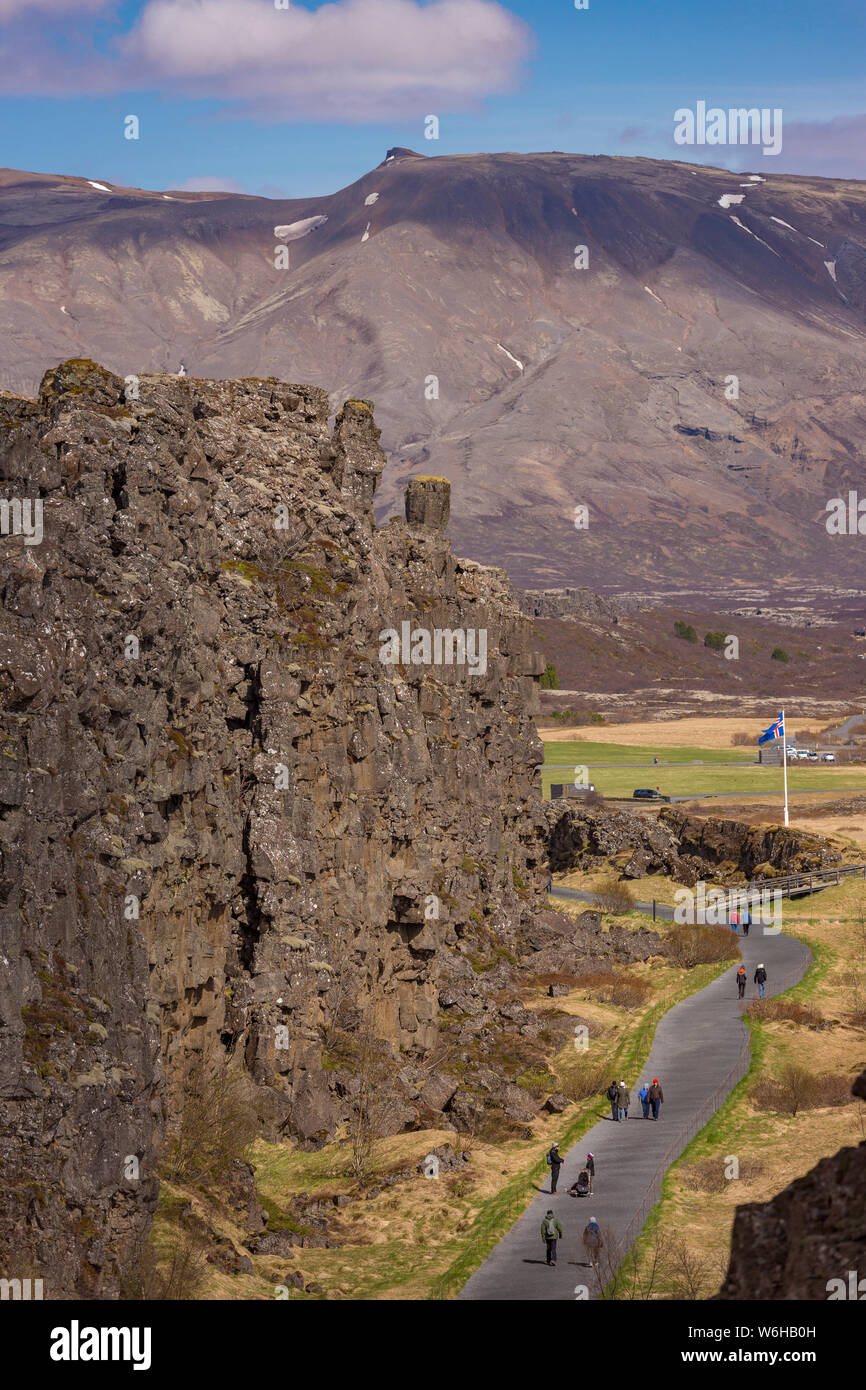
(734,921)
(760,980)
(554,1163)
(589,1166)
(746,921)
(612,1094)
(551,1232)
(655,1097)
(624,1100)
(741,981)
(592,1240)
(643,1097)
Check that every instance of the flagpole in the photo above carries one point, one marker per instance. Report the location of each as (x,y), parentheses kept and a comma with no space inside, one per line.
(785,762)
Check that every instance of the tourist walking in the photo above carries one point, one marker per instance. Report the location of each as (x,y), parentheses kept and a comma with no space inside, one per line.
(656,1097)
(741,981)
(551,1232)
(592,1241)
(746,921)
(760,980)
(624,1100)
(554,1163)
(643,1097)
(734,921)
(612,1094)
(589,1165)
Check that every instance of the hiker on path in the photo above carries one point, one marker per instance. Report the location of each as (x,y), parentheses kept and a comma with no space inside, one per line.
(746,921)
(589,1165)
(643,1097)
(656,1097)
(551,1232)
(624,1100)
(554,1163)
(592,1241)
(760,980)
(734,922)
(741,981)
(612,1094)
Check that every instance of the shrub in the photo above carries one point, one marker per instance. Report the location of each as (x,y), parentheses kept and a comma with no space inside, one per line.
(741,740)
(685,631)
(779,654)
(796,1088)
(582,1076)
(715,641)
(613,896)
(689,946)
(180,1276)
(549,679)
(217,1123)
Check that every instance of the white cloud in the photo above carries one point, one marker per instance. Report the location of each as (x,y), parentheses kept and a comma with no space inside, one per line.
(354,59)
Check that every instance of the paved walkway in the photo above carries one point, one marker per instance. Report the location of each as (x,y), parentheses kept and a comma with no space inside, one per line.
(696,1045)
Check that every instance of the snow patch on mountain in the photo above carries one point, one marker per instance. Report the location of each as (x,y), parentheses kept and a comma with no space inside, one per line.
(292,230)
(514,359)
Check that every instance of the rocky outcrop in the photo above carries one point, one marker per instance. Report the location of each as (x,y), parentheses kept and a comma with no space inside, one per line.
(267,772)
(572,604)
(749,850)
(808,1242)
(686,847)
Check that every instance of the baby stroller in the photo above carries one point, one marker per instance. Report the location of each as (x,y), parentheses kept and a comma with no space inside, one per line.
(580,1188)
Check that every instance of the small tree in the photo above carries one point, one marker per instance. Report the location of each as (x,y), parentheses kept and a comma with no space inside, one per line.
(375,1105)
(549,680)
(715,641)
(779,654)
(685,631)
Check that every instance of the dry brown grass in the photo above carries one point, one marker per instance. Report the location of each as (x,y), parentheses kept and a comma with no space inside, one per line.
(615,987)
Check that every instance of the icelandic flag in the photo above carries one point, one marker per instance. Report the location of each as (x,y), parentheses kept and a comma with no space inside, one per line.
(776,730)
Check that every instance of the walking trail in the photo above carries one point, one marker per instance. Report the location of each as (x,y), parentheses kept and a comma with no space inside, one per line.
(695,1053)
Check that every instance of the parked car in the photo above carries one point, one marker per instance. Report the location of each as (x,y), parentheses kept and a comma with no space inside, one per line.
(828,757)
(648,794)
(812,756)
(802,755)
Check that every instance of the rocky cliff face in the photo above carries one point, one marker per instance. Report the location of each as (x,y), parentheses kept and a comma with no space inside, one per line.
(263,765)
(807,1242)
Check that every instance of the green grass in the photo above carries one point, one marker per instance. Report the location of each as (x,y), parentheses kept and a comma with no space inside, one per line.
(588,752)
(743,776)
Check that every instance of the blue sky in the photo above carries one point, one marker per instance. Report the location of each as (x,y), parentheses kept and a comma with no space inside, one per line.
(303,100)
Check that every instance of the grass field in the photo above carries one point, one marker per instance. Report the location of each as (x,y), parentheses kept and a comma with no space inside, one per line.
(700,731)
(740,775)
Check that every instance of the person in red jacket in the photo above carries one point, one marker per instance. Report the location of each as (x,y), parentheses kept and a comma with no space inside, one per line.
(656,1097)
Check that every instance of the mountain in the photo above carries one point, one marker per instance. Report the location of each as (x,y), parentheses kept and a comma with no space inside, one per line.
(550,387)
